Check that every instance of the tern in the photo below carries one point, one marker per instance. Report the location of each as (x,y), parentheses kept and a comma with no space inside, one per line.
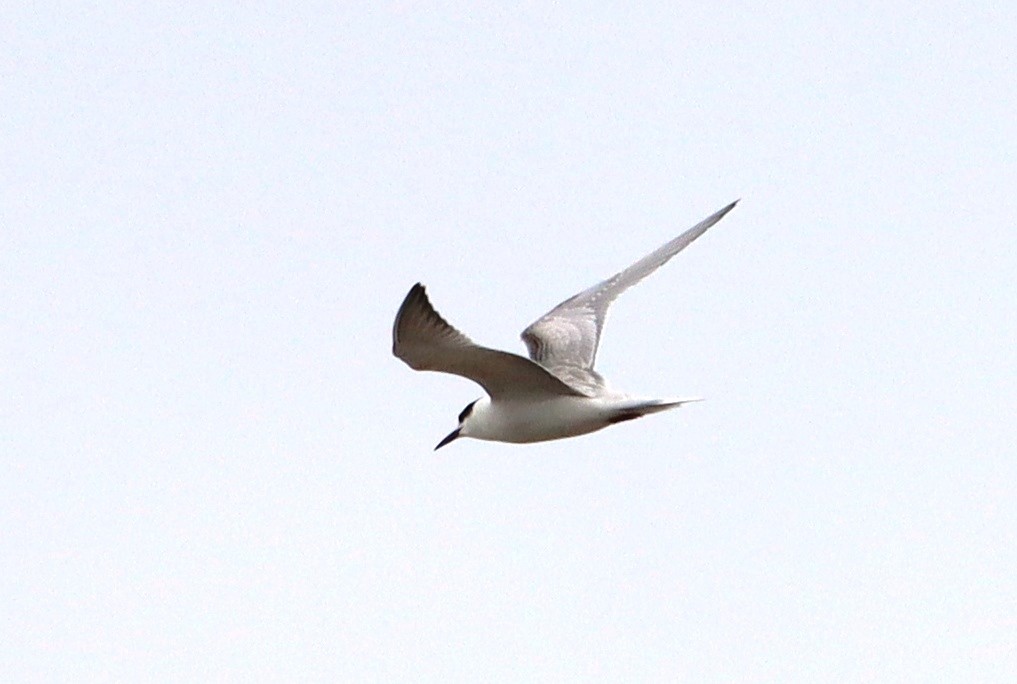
(553,394)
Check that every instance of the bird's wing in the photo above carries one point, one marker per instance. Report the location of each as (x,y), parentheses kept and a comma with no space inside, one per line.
(425,341)
(564,340)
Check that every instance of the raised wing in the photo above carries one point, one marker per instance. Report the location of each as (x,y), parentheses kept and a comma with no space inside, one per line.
(564,340)
(425,341)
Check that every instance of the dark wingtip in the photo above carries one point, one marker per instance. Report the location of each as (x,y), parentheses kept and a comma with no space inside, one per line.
(416,292)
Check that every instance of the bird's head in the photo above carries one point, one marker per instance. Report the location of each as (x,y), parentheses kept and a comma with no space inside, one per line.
(464,425)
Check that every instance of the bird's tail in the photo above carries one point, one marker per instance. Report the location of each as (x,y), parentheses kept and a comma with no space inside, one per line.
(638,409)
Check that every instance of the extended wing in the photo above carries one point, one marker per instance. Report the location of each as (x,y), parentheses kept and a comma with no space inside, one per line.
(565,339)
(425,341)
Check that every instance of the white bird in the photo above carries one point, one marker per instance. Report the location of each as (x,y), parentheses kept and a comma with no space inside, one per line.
(553,394)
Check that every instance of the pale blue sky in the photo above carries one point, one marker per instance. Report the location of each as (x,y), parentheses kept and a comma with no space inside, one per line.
(214,470)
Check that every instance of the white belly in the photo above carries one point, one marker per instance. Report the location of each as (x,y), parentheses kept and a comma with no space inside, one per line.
(555,418)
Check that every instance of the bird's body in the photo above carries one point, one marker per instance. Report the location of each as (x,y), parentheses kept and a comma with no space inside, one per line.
(522,421)
(553,394)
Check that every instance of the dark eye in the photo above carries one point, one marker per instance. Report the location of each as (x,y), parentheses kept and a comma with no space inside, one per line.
(467,411)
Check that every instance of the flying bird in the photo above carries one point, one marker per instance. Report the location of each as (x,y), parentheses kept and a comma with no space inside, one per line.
(555,393)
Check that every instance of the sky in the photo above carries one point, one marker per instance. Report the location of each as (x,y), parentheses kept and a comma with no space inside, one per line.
(213,469)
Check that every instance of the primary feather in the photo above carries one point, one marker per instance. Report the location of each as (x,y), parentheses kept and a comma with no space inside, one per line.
(425,341)
(565,339)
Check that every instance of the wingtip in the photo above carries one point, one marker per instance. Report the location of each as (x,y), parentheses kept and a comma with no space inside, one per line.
(730,207)
(416,292)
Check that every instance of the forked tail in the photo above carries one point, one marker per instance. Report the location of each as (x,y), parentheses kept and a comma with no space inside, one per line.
(645,408)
